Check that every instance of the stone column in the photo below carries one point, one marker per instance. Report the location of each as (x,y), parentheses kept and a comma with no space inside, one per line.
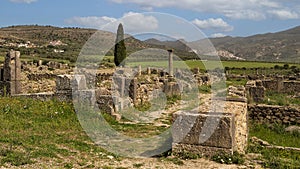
(122,92)
(139,70)
(170,62)
(149,71)
(133,90)
(279,80)
(197,70)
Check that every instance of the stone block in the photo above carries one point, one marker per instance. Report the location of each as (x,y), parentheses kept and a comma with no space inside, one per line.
(63,82)
(171,89)
(212,130)
(178,148)
(69,82)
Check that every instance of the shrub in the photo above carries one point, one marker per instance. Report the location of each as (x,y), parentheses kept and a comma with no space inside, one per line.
(225,158)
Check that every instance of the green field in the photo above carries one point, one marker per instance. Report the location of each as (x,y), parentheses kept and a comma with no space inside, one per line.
(36,58)
(211,64)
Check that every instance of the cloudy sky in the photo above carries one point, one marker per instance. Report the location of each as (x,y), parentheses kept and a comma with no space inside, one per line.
(214,17)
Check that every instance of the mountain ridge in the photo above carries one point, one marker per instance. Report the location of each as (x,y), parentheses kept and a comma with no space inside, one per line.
(283,46)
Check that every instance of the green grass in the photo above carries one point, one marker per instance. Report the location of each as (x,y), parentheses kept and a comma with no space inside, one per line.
(224,158)
(32,130)
(281,99)
(134,130)
(211,64)
(205,89)
(275,135)
(234,82)
(1,59)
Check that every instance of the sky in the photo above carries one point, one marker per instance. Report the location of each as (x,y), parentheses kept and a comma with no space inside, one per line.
(215,18)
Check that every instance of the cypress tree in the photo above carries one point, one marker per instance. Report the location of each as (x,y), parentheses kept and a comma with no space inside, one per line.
(120,48)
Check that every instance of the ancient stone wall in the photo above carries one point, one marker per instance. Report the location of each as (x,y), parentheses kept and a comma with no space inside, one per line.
(103,76)
(291,86)
(274,114)
(279,84)
(36,77)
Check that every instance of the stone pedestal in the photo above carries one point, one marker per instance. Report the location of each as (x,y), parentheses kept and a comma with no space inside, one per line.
(207,133)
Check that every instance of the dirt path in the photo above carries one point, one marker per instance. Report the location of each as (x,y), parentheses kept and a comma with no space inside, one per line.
(142,163)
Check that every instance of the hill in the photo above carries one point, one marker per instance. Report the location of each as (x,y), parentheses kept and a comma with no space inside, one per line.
(66,43)
(43,41)
(281,46)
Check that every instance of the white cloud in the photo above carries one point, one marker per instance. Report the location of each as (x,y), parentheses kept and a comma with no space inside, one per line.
(245,14)
(238,9)
(132,22)
(90,21)
(23,1)
(214,24)
(218,35)
(284,14)
(135,22)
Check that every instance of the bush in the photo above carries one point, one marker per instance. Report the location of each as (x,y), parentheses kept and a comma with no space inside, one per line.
(188,155)
(225,158)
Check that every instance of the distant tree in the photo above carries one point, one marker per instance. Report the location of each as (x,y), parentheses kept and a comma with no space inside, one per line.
(276,67)
(286,66)
(120,48)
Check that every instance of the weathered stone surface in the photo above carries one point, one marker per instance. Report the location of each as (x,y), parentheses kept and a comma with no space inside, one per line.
(69,82)
(293,129)
(178,148)
(222,136)
(171,89)
(274,114)
(280,84)
(230,132)
(11,74)
(63,82)
(255,90)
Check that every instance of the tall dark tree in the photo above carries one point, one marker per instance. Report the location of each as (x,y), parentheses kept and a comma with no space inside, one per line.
(120,48)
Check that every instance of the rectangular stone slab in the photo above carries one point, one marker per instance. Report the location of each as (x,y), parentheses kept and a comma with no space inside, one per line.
(213,130)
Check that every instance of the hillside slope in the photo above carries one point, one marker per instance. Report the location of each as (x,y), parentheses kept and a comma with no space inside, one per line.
(66,43)
(280,46)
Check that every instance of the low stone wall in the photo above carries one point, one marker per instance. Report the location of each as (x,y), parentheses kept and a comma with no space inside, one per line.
(274,114)
(38,96)
(281,85)
(36,77)
(291,86)
(103,76)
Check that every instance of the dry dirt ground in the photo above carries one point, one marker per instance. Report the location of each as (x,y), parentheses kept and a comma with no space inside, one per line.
(143,163)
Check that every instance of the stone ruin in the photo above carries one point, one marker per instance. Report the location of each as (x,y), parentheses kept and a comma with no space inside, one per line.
(207,132)
(10,74)
(231,131)
(255,90)
(282,84)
